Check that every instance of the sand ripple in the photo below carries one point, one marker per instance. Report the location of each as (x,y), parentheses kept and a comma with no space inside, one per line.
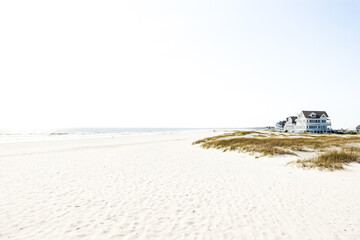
(172,190)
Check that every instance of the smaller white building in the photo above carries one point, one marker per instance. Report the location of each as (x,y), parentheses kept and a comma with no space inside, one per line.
(279,126)
(290,124)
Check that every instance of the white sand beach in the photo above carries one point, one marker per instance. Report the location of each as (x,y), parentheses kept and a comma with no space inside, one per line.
(163,187)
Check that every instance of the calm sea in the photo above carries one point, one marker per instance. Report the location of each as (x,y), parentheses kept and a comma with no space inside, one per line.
(33,135)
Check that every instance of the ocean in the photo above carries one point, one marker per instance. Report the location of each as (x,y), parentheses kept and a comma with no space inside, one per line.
(7,135)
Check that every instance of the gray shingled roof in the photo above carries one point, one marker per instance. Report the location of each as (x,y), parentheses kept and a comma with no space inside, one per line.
(281,123)
(318,113)
(292,119)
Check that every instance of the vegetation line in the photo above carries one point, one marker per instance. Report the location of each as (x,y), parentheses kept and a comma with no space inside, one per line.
(334,150)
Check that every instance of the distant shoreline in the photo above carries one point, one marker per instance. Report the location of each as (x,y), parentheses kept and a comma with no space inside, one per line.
(80,133)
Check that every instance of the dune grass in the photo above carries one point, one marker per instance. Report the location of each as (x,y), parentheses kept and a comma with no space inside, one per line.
(280,144)
(274,145)
(332,160)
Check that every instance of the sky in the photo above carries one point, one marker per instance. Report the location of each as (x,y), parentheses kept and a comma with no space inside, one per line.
(177,63)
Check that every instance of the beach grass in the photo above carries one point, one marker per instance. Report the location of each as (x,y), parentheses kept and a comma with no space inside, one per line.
(332,160)
(270,144)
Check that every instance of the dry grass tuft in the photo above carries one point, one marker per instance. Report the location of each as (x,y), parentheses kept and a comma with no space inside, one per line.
(332,160)
(351,149)
(272,144)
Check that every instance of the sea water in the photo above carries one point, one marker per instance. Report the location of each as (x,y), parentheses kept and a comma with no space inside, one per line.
(8,135)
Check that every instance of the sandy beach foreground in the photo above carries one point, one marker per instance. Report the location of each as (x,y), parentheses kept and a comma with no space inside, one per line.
(163,187)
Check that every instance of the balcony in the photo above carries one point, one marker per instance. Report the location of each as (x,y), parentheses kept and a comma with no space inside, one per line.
(319,124)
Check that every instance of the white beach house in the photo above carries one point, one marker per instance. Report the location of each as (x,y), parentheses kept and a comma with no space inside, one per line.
(290,124)
(313,122)
(307,121)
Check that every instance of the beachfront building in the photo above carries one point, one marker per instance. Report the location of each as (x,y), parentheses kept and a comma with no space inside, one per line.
(358,129)
(280,126)
(290,124)
(307,121)
(313,122)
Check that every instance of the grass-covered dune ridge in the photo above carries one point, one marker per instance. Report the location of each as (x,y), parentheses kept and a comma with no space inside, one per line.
(334,150)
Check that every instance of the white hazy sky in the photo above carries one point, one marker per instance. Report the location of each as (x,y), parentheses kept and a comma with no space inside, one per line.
(177,63)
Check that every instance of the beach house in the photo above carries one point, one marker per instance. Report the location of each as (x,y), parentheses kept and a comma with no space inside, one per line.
(313,122)
(280,126)
(358,129)
(307,121)
(290,124)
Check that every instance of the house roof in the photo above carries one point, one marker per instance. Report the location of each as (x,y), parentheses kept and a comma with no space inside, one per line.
(292,119)
(318,113)
(281,123)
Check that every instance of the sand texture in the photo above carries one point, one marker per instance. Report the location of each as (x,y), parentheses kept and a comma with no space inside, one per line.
(162,187)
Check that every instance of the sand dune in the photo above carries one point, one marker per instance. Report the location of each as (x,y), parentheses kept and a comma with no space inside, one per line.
(162,187)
